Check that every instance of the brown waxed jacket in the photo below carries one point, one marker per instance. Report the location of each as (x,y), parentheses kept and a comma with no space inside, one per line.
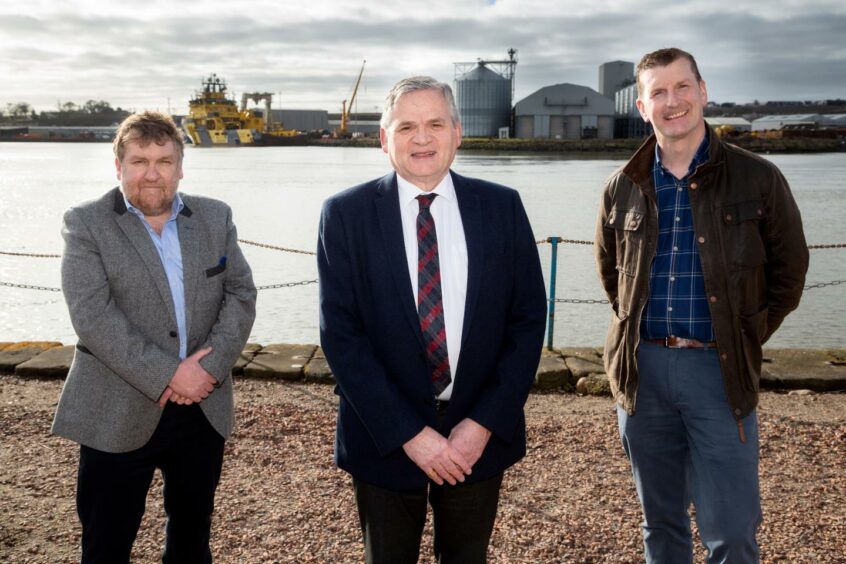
(753,253)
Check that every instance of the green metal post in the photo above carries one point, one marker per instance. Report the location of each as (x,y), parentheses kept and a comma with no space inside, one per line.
(553,270)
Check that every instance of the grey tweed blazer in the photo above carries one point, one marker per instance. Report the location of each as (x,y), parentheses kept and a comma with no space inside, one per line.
(121,308)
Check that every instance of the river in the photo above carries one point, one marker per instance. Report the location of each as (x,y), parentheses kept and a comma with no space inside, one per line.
(276,193)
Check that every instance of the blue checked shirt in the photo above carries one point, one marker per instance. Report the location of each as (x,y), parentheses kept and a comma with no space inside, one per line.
(678,305)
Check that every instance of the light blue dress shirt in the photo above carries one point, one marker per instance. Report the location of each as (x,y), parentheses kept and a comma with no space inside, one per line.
(170,253)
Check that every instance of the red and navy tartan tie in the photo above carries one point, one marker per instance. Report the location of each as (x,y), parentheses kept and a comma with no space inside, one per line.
(430,303)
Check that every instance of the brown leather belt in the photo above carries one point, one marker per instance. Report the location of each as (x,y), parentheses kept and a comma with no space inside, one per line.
(682,343)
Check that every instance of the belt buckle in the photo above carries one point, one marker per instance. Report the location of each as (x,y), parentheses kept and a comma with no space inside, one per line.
(679,343)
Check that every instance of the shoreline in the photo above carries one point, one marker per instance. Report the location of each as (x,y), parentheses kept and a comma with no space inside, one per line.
(591,148)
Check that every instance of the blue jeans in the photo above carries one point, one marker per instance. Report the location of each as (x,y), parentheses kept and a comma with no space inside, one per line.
(685,445)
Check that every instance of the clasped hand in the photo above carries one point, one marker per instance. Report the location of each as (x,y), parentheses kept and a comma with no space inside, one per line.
(191,383)
(450,459)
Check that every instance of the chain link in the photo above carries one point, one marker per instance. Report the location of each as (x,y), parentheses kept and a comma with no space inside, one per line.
(570,241)
(29,287)
(275,248)
(286,285)
(32,255)
(824,284)
(828,246)
(302,252)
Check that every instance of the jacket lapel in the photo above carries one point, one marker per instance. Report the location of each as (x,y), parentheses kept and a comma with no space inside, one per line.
(390,224)
(470,207)
(189,243)
(140,240)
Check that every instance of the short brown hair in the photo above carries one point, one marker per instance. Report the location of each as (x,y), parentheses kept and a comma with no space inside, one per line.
(662,58)
(146,127)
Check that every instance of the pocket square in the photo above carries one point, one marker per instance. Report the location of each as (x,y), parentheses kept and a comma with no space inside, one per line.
(215,270)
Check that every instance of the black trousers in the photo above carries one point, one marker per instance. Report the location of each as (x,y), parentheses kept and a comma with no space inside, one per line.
(463,517)
(112,490)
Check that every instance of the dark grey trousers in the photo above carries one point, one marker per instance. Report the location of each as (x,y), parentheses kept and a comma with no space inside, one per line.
(463,517)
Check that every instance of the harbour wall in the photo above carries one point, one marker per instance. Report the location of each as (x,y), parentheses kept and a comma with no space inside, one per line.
(577,369)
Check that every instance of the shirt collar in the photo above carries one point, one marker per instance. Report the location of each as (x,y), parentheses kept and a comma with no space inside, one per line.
(700,157)
(175,207)
(408,191)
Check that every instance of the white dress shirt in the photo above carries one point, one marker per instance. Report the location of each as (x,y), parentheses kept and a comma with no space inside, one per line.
(452,256)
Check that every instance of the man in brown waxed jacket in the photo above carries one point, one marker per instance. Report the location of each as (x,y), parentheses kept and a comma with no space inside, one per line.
(700,249)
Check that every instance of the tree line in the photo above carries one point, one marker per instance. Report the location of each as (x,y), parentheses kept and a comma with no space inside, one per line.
(92,112)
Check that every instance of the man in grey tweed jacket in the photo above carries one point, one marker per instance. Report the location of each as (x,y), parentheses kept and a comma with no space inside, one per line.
(162,301)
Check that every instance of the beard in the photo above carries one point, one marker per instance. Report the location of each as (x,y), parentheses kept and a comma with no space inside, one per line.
(152,200)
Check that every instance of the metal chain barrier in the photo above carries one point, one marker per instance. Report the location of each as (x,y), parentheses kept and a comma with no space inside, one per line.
(31,255)
(286,285)
(824,284)
(29,287)
(828,246)
(275,248)
(577,301)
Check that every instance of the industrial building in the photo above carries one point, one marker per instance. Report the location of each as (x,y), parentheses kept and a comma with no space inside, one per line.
(302,120)
(778,122)
(484,91)
(565,111)
(736,123)
(615,75)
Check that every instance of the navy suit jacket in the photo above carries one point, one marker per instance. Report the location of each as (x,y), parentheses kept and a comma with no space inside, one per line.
(371,336)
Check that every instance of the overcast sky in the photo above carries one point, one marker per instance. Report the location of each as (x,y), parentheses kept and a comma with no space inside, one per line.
(140,54)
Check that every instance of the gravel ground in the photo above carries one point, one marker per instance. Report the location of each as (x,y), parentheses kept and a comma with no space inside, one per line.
(281,499)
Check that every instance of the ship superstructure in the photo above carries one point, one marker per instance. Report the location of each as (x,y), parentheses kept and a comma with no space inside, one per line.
(214,120)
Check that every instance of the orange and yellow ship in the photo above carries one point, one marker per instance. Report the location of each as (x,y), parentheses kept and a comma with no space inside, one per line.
(214,120)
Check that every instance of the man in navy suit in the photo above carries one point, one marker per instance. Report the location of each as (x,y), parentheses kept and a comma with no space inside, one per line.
(432,313)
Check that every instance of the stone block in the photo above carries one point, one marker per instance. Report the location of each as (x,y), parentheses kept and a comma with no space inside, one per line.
(552,373)
(317,370)
(590,354)
(52,363)
(18,353)
(796,369)
(594,385)
(247,355)
(580,366)
(280,361)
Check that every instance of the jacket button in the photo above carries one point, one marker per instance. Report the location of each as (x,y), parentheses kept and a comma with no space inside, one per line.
(694,185)
(724,356)
(701,239)
(728,217)
(173,334)
(737,411)
(713,299)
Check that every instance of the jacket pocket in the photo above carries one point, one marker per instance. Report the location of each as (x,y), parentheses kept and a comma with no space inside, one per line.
(744,243)
(629,231)
(752,330)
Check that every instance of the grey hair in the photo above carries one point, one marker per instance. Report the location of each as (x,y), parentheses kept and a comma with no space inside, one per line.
(413,84)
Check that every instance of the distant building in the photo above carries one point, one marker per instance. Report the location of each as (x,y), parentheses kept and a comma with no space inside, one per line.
(736,123)
(302,120)
(484,90)
(628,124)
(565,111)
(615,75)
(781,121)
(363,123)
(833,121)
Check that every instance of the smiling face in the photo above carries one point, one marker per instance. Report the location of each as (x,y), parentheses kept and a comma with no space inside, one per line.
(421,138)
(673,101)
(149,175)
